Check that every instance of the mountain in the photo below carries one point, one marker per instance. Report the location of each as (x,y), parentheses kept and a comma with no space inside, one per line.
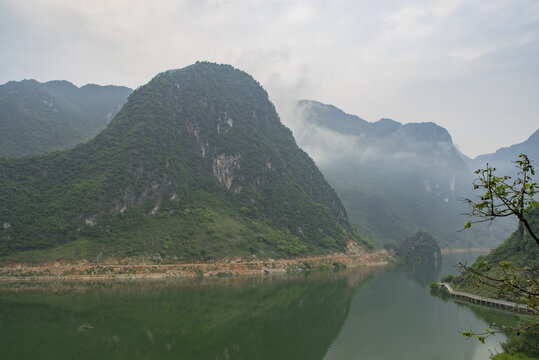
(196,165)
(386,137)
(503,157)
(394,179)
(40,117)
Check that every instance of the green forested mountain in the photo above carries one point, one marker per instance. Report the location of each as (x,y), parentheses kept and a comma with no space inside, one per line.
(394,179)
(196,165)
(420,249)
(40,117)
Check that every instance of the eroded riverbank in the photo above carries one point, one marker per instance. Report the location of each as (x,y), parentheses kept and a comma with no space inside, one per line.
(114,269)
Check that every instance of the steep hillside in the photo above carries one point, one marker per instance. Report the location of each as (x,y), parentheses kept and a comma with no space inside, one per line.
(196,165)
(519,248)
(394,179)
(40,117)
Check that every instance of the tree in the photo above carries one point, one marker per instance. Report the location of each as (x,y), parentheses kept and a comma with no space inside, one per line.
(504,198)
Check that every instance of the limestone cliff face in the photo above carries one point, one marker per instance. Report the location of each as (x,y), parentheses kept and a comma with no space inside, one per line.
(224,167)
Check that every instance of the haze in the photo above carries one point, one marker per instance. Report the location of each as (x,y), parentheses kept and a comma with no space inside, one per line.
(469,66)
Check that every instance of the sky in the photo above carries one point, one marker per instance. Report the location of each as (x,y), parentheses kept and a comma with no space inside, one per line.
(471,66)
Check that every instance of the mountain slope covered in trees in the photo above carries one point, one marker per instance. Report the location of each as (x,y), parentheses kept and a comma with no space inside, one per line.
(394,179)
(196,165)
(519,248)
(40,117)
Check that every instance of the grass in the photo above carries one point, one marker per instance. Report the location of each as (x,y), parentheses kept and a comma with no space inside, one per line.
(507,356)
(198,234)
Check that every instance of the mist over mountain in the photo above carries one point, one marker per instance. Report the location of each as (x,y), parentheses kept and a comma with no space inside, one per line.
(196,165)
(394,179)
(40,117)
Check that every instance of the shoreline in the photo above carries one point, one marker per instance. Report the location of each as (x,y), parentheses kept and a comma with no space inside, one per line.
(83,270)
(464,250)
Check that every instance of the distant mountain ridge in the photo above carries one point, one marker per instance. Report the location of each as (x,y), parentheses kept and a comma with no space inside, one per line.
(396,137)
(503,157)
(394,179)
(335,119)
(196,165)
(40,117)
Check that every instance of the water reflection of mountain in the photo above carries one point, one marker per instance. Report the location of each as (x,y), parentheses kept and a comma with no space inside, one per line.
(256,319)
(423,274)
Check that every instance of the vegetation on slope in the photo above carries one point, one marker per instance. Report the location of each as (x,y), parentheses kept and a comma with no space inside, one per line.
(513,263)
(40,117)
(519,250)
(195,165)
(394,178)
(420,248)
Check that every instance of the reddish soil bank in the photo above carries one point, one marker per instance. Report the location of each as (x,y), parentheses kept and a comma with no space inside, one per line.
(112,269)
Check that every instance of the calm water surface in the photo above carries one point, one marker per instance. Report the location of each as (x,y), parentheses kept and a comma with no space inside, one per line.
(379,315)
(395,317)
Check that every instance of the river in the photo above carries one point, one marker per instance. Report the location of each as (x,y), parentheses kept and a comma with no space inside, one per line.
(366,314)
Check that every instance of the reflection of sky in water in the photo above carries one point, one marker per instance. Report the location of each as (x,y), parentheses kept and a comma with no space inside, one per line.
(394,317)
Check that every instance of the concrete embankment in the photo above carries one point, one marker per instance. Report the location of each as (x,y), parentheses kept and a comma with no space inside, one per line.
(481,300)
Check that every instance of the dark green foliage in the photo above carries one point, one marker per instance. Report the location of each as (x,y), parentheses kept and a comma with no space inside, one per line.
(195,165)
(421,248)
(519,249)
(447,279)
(40,117)
(526,343)
(508,356)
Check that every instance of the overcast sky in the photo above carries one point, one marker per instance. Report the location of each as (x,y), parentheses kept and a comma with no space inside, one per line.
(470,66)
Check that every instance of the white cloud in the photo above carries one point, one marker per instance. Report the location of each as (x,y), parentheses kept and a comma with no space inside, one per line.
(460,63)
